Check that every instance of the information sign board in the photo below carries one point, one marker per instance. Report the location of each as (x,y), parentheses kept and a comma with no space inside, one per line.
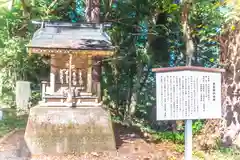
(188,94)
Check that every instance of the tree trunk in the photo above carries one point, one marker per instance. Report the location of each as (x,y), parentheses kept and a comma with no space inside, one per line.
(92,11)
(230,49)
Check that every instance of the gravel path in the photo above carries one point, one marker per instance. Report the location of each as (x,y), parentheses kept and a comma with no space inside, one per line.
(14,148)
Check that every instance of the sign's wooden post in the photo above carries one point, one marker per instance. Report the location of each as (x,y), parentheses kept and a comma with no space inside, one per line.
(188,127)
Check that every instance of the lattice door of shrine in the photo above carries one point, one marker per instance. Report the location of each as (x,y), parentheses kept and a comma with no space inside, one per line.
(78,74)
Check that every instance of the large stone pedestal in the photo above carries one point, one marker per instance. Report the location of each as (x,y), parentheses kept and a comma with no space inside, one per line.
(62,130)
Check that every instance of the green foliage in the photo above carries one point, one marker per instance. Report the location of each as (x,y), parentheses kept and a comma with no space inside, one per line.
(179,148)
(205,20)
(35,98)
(52,10)
(177,136)
(197,126)
(226,150)
(11,121)
(15,63)
(232,12)
(200,155)
(224,154)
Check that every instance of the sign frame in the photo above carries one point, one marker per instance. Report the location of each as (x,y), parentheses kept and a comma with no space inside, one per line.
(188,89)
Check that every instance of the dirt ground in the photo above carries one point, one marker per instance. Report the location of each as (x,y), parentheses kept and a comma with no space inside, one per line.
(130,145)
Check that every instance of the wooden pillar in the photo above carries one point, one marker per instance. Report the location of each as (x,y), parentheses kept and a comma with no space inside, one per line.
(96,76)
(70,96)
(89,74)
(53,73)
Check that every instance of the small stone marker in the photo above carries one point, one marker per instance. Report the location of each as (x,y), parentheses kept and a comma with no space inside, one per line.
(23,94)
(187,93)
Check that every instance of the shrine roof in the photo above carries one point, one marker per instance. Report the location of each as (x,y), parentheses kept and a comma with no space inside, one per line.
(60,35)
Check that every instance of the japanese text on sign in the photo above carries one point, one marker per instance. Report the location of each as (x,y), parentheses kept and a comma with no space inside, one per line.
(188,95)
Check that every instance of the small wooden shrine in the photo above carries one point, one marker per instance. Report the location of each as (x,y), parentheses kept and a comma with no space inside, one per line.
(75,51)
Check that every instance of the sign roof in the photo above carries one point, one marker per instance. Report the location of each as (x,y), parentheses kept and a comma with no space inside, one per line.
(187,68)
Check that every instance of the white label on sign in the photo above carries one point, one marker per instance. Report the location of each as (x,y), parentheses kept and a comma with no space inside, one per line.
(188,95)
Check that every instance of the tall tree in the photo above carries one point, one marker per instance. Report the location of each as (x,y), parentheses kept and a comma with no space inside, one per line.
(187,37)
(230,58)
(92,11)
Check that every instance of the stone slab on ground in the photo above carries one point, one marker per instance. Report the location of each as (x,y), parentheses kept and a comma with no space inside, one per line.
(63,130)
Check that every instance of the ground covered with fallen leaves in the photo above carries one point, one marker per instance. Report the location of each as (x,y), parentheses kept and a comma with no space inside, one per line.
(131,145)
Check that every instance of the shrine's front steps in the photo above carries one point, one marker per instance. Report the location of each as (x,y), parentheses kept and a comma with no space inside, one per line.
(64,130)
